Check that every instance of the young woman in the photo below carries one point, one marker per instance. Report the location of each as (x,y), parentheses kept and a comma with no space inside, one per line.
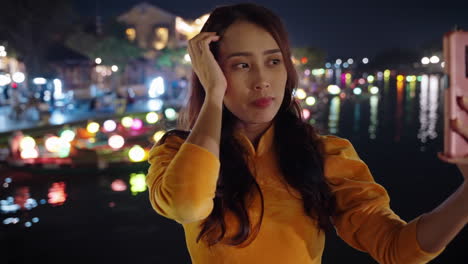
(252,183)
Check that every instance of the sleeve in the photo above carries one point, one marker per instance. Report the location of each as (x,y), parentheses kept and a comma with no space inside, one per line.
(182,180)
(363,218)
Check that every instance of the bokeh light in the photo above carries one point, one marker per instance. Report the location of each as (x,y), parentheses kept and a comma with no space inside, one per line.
(93,127)
(137,124)
(334,89)
(109,125)
(137,183)
(310,100)
(158,135)
(27,143)
(68,135)
(152,118)
(374,90)
(301,94)
(30,153)
(127,122)
(53,143)
(118,185)
(357,91)
(170,114)
(305,114)
(137,154)
(116,141)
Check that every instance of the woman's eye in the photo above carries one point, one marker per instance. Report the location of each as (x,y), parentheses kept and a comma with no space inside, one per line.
(275,61)
(241,65)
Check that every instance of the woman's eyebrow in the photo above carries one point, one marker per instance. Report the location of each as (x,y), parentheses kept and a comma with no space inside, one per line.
(247,54)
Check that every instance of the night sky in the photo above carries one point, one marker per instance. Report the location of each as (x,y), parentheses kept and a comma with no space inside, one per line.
(343,28)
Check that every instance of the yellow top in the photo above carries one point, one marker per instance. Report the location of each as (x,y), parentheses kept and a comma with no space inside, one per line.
(182,180)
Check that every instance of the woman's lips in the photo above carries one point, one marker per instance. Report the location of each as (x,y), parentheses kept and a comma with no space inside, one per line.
(263,102)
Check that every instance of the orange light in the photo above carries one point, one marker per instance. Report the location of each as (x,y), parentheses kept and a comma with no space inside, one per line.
(304,60)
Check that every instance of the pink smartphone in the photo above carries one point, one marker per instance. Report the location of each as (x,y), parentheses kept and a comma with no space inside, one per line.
(456,67)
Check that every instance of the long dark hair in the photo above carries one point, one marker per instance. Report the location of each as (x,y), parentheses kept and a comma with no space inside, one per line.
(298,147)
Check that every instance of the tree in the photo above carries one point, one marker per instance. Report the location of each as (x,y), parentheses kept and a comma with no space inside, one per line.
(168,58)
(113,48)
(31,26)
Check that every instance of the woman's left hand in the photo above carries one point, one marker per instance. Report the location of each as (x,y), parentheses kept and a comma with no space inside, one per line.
(462,130)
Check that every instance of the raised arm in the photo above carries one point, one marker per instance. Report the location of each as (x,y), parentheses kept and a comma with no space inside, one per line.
(182,177)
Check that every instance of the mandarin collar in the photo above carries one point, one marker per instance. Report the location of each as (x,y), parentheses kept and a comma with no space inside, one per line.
(264,144)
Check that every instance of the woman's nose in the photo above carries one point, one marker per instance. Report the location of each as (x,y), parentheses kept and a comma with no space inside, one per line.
(262,85)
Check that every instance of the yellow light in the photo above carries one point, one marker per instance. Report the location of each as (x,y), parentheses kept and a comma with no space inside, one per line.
(152,118)
(137,154)
(162,37)
(53,144)
(333,89)
(348,76)
(93,127)
(29,153)
(131,34)
(158,135)
(127,122)
(387,73)
(27,143)
(310,100)
(370,78)
(116,141)
(400,78)
(301,94)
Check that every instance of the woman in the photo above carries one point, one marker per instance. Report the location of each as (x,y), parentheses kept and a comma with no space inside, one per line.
(252,183)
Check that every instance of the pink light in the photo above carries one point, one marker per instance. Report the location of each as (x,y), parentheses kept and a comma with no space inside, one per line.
(57,194)
(118,186)
(137,124)
(305,114)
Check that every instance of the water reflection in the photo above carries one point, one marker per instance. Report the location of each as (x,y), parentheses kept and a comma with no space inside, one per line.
(57,195)
(334,116)
(374,105)
(395,106)
(428,104)
(23,203)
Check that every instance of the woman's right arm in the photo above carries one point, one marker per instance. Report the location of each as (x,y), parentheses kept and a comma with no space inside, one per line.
(182,177)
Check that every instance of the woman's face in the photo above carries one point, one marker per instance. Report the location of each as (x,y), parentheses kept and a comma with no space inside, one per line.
(255,72)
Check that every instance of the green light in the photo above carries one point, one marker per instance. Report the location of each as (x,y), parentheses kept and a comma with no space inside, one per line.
(67,135)
(171,114)
(137,183)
